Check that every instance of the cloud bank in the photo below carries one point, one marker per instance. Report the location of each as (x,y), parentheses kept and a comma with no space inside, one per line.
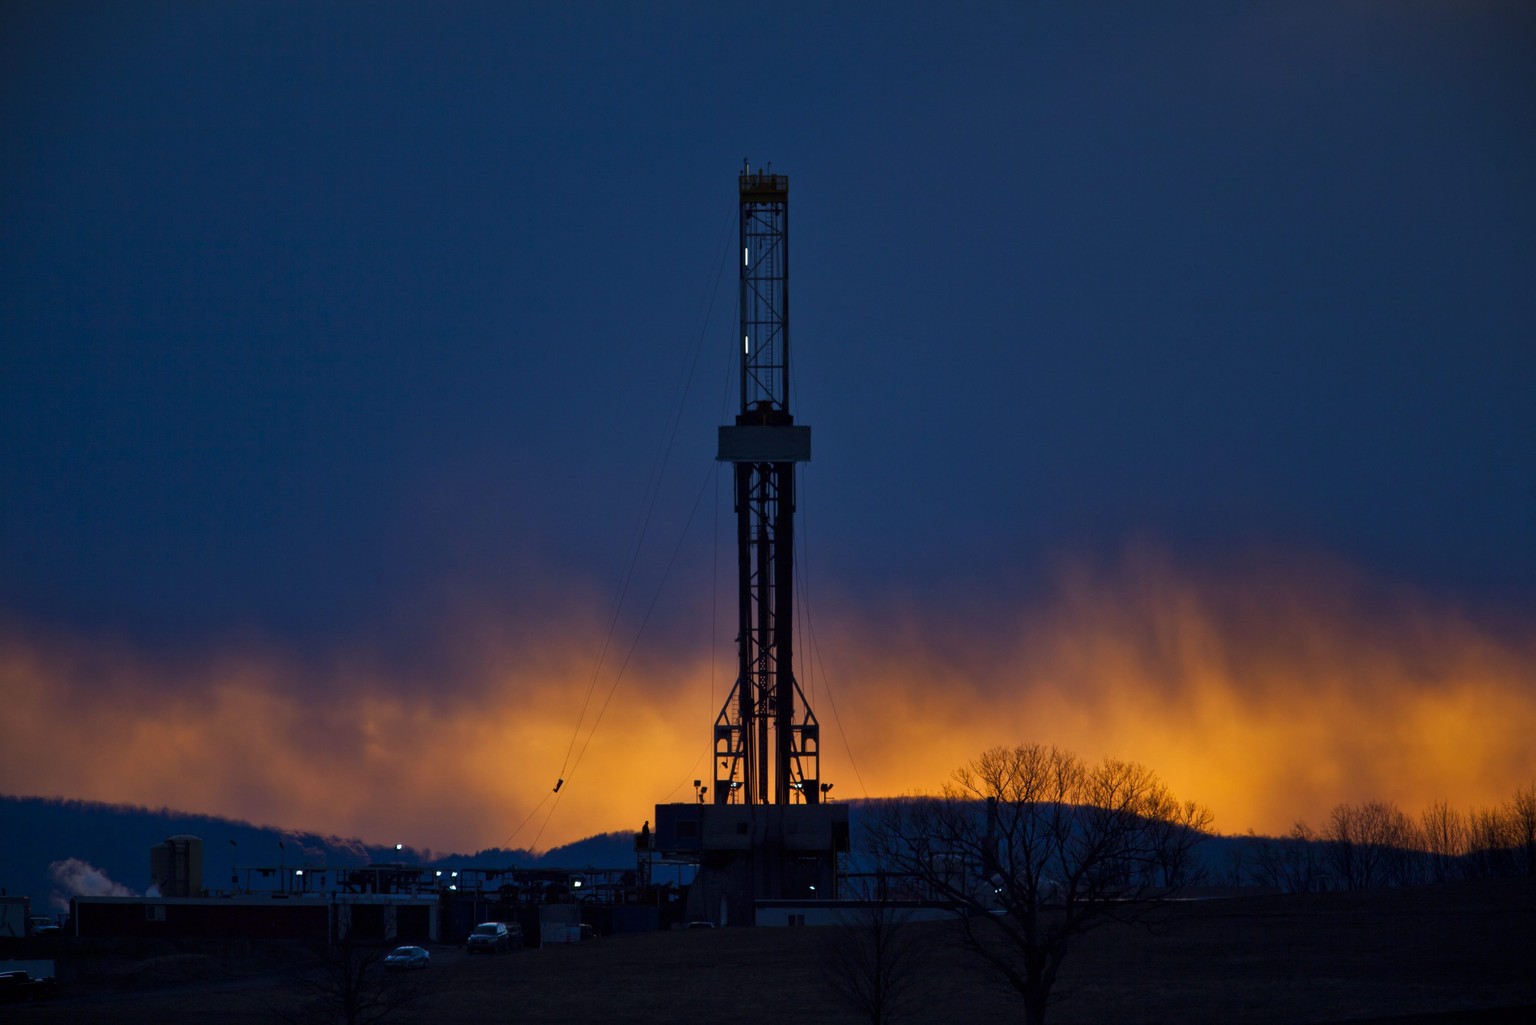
(1269,690)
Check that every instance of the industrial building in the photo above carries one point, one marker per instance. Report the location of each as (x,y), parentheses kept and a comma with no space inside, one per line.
(321,918)
(380,903)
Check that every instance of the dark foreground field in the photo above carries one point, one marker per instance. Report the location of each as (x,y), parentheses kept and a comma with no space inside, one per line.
(1458,953)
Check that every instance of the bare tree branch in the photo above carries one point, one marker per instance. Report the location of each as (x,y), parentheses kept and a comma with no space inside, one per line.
(1032,848)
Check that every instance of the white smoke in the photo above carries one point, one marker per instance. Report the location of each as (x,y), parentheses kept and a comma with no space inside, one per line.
(75,878)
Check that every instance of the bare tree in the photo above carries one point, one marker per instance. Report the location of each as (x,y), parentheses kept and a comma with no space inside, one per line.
(1033,848)
(1343,847)
(1291,863)
(1370,844)
(1521,813)
(347,985)
(1239,858)
(874,955)
(1444,832)
(1490,838)
(1170,821)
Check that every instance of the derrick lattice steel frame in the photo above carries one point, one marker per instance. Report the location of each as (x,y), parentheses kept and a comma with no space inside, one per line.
(766,706)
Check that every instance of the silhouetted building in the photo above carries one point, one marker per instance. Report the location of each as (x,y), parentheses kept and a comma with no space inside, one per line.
(366,918)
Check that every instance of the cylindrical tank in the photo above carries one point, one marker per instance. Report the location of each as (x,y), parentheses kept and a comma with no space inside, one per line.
(176,866)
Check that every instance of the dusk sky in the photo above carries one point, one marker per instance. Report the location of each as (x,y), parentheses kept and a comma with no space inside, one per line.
(1171,369)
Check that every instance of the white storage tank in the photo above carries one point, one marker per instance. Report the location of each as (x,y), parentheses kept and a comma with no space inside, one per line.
(176,866)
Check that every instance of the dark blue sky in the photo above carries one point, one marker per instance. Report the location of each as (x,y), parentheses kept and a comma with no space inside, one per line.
(319,319)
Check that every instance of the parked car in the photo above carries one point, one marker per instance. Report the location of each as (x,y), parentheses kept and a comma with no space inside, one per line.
(16,987)
(489,937)
(406,958)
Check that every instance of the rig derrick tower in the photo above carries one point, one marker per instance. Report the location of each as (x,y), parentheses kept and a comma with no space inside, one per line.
(766,839)
(766,737)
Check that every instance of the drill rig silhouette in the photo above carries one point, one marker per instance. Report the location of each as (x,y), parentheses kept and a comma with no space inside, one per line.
(766,832)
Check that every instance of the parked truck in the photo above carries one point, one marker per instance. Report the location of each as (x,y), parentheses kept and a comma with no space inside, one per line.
(559,923)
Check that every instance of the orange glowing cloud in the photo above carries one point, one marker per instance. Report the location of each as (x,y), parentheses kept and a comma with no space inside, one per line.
(1268,692)
(451,765)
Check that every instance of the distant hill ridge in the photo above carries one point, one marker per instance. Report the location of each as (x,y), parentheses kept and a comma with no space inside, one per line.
(101,848)
(104,848)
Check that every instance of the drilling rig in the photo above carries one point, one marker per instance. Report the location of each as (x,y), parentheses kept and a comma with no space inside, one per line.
(765,833)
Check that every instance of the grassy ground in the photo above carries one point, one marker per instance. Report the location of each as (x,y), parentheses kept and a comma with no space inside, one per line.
(1435,956)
